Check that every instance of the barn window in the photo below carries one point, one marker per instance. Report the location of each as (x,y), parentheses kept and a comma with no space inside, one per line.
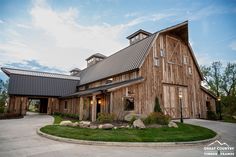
(128,103)
(109,80)
(189,70)
(156,61)
(185,60)
(162,52)
(65,107)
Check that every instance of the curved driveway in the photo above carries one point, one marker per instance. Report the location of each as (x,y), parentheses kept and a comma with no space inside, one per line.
(18,138)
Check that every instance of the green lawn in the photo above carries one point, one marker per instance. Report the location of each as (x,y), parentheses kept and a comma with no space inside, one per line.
(185,132)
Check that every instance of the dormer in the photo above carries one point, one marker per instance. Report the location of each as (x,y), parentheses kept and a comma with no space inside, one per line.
(137,36)
(95,58)
(75,71)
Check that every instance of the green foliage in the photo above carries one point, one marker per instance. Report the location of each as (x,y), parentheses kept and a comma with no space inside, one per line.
(106,117)
(229,105)
(132,120)
(157,118)
(157,107)
(67,115)
(3,95)
(211,115)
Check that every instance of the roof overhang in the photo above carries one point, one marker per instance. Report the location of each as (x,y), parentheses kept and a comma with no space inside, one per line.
(105,88)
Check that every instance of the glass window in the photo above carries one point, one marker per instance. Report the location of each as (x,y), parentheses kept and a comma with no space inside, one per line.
(65,107)
(156,61)
(190,70)
(128,103)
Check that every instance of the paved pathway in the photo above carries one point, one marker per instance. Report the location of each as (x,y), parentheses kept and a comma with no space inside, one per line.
(18,138)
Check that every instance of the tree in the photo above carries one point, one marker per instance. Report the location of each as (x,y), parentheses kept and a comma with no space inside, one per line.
(3,94)
(157,107)
(229,79)
(213,77)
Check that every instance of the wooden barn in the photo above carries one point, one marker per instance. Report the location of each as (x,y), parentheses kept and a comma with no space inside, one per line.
(160,64)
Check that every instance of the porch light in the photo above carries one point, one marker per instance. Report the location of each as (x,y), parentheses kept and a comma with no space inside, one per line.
(99,101)
(219,98)
(91,102)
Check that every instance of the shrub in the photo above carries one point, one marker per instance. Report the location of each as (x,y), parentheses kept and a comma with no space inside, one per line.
(157,118)
(67,115)
(2,109)
(132,120)
(211,115)
(106,117)
(157,107)
(10,116)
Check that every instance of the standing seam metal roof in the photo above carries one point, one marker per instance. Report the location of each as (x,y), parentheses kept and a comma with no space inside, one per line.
(122,61)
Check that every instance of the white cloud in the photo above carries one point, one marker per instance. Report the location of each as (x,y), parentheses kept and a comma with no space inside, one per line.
(59,39)
(233,45)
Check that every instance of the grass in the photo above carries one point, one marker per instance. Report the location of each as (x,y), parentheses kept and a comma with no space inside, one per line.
(58,119)
(185,132)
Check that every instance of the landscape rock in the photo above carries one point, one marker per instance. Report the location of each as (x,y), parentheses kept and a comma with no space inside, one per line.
(115,128)
(172,125)
(84,124)
(75,124)
(66,123)
(129,116)
(93,127)
(139,124)
(106,126)
(234,117)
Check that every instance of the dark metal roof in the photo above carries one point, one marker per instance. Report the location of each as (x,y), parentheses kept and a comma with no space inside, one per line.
(106,87)
(137,32)
(10,71)
(27,82)
(40,86)
(97,55)
(124,60)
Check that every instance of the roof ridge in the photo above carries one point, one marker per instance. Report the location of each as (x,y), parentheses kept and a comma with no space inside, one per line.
(37,71)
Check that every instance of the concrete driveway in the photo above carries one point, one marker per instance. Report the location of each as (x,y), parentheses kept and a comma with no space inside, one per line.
(18,138)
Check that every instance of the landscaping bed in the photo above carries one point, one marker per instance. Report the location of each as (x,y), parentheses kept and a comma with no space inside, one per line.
(184,132)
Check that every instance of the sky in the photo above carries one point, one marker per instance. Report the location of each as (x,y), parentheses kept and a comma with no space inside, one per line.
(58,35)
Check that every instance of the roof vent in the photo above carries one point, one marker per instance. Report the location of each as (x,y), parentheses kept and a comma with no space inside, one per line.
(137,36)
(95,58)
(75,71)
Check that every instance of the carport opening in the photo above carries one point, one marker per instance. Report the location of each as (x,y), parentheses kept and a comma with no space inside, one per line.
(39,105)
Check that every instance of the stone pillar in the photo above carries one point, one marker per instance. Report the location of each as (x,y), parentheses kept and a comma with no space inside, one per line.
(81,108)
(94,108)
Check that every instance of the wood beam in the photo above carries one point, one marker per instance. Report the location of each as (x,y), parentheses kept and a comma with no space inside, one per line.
(94,108)
(81,108)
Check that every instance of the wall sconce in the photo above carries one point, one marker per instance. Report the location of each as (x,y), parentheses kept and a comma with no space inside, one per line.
(99,101)
(91,102)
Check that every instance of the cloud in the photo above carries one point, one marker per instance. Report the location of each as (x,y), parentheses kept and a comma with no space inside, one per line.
(233,45)
(58,38)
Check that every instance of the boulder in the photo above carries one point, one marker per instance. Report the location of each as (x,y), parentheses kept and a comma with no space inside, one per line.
(234,117)
(84,124)
(172,125)
(106,126)
(75,124)
(66,123)
(129,116)
(139,124)
(115,128)
(93,127)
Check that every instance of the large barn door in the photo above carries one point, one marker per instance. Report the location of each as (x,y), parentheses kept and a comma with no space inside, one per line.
(172,101)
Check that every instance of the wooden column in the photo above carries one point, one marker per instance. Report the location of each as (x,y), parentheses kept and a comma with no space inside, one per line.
(94,108)
(81,108)
(111,102)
